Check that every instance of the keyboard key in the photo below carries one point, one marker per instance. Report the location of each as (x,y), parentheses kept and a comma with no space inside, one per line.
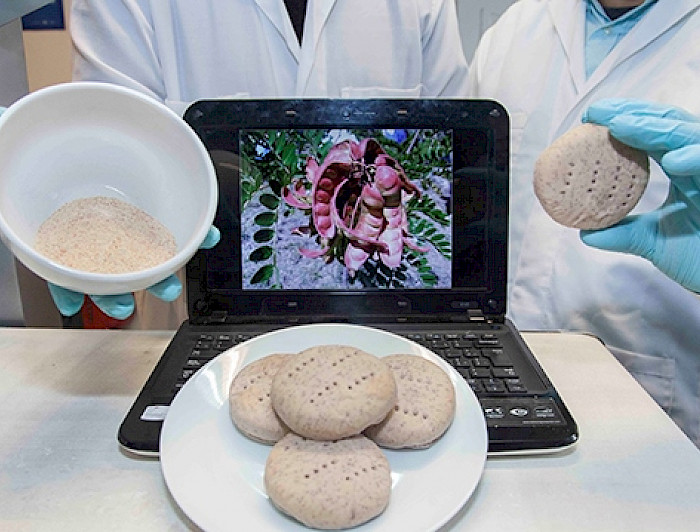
(515,386)
(187,373)
(504,373)
(493,385)
(497,357)
(440,344)
(222,345)
(475,385)
(462,344)
(203,354)
(488,342)
(479,373)
(452,353)
(464,372)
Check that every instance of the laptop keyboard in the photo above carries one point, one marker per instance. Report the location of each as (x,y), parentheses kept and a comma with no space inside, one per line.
(480,357)
(520,406)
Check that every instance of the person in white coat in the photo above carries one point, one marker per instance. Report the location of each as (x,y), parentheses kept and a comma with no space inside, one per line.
(547,61)
(180,51)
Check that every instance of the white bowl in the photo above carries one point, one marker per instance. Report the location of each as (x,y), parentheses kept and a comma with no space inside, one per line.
(84,139)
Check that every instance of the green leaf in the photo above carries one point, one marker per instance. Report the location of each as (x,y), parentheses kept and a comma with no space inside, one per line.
(265,219)
(262,275)
(289,156)
(264,235)
(279,142)
(260,254)
(269,201)
(429,280)
(247,188)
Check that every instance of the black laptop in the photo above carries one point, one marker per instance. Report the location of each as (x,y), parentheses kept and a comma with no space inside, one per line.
(386,213)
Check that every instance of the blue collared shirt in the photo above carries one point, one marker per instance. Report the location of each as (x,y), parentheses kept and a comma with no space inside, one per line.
(603,34)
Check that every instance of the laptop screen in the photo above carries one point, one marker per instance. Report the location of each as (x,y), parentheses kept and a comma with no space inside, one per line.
(323,201)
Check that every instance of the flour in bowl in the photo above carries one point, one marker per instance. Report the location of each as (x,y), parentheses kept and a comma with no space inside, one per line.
(104,235)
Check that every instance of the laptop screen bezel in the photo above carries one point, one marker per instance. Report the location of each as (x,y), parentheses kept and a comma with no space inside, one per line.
(216,122)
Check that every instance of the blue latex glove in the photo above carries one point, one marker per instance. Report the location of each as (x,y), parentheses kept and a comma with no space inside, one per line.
(121,306)
(669,236)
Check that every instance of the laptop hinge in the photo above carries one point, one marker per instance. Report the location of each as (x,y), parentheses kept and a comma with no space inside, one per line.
(223,317)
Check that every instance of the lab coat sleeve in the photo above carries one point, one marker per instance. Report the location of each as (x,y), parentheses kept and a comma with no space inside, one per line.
(114,42)
(445,67)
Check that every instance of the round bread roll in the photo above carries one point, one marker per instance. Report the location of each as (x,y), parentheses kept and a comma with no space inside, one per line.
(249,400)
(589,180)
(330,392)
(328,484)
(425,406)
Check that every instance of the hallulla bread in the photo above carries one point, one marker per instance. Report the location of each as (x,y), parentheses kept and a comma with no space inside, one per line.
(425,405)
(587,179)
(249,400)
(329,392)
(328,484)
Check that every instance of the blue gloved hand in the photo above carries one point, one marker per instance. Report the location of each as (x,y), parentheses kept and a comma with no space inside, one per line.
(121,306)
(669,236)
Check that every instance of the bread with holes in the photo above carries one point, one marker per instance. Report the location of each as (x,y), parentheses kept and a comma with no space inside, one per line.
(328,484)
(249,400)
(587,179)
(328,392)
(425,405)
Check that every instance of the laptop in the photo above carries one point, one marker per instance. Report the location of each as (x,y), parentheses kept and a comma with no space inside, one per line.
(387,213)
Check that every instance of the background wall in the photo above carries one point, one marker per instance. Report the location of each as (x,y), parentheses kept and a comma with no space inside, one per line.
(475,17)
(48,54)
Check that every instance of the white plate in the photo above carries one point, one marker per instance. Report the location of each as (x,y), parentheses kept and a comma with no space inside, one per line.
(215,474)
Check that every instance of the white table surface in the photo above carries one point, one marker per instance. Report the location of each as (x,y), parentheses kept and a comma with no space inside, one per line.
(64,393)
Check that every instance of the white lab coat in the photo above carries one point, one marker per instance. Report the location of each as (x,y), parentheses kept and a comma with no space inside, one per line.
(532,61)
(184,50)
